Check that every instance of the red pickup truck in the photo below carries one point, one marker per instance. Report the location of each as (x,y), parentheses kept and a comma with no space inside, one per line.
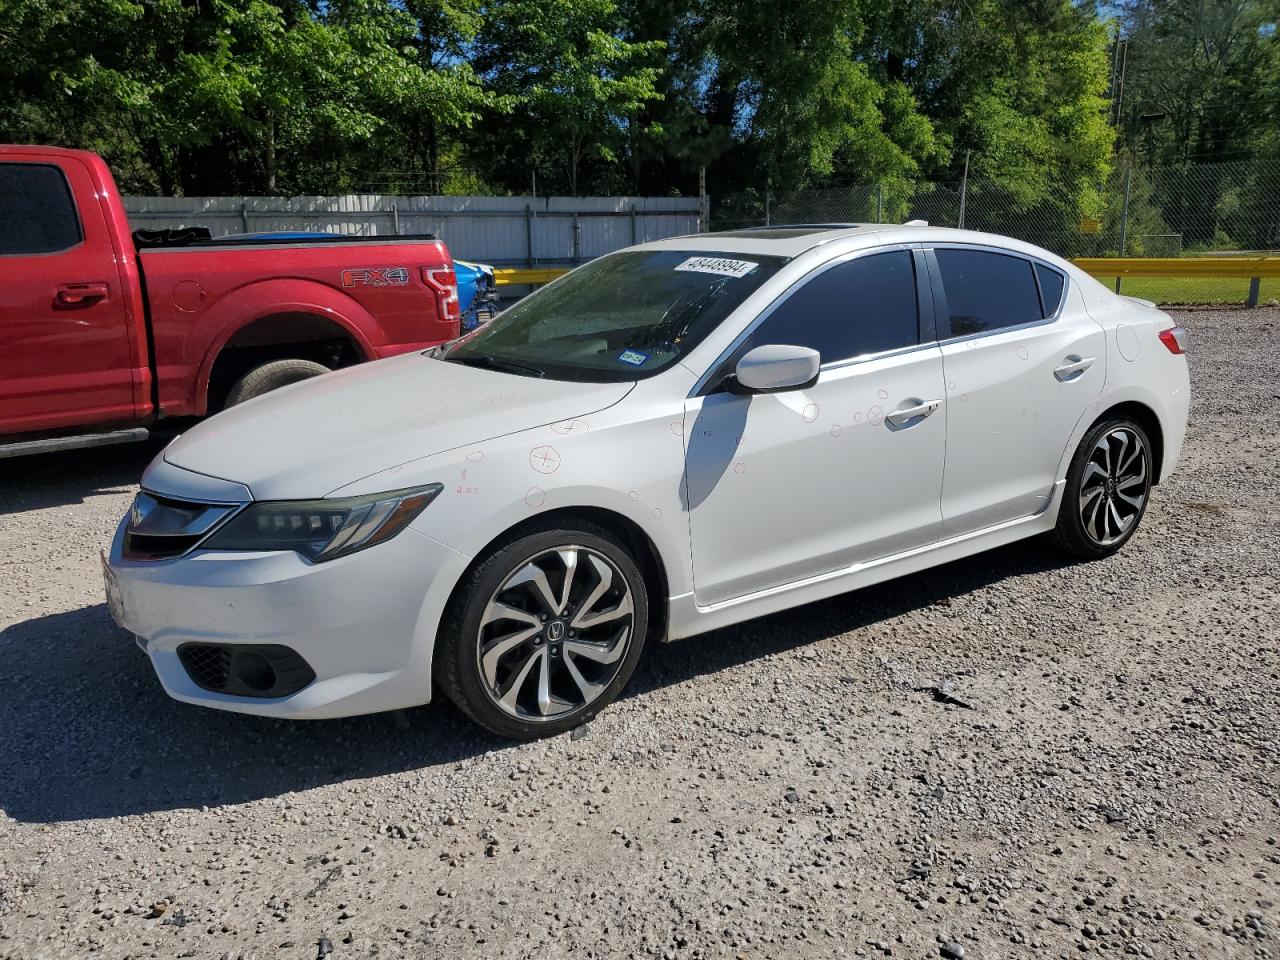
(102,333)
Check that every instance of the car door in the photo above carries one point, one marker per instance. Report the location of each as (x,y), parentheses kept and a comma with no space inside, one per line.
(785,486)
(65,352)
(1023,362)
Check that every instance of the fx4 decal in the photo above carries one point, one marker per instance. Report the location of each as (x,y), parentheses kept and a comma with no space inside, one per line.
(376,277)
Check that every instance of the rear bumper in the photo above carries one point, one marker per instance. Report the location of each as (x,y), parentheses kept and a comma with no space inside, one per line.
(365,624)
(1174,425)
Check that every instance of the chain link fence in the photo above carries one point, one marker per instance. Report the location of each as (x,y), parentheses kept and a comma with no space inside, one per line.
(1193,210)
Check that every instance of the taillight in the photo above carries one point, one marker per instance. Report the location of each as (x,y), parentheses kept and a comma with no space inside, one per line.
(445,284)
(1175,338)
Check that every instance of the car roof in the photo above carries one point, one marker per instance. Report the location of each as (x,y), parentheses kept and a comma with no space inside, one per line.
(783,240)
(791,240)
(21,149)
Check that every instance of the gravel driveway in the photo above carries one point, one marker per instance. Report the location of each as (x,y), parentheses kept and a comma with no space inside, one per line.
(1009,756)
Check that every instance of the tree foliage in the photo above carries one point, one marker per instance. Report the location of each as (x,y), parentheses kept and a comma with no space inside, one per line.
(301,96)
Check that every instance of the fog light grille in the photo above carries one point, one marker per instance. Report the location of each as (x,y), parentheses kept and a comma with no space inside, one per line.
(246,669)
(208,664)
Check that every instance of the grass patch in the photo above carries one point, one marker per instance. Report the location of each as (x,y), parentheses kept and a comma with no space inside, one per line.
(1194,290)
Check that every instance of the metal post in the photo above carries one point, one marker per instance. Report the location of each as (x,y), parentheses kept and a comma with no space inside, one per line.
(1254,284)
(395,219)
(767,212)
(879,203)
(528,233)
(704,217)
(633,224)
(964,188)
(244,217)
(1124,218)
(577,239)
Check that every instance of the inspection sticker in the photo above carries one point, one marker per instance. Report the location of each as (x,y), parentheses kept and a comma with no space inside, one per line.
(633,357)
(719,266)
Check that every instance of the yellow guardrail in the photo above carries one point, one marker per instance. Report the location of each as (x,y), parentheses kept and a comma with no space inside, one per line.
(1193,267)
(1253,269)
(512,276)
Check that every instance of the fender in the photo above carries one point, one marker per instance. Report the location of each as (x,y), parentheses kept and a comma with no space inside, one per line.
(1113,396)
(182,393)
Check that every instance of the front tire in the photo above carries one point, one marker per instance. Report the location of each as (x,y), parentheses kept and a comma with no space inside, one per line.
(272,376)
(1108,486)
(544,631)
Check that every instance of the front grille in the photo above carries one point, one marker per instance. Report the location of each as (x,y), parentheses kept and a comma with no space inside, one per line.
(161,528)
(246,669)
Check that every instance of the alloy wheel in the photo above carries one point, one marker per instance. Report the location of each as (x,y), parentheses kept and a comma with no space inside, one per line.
(554,635)
(1114,486)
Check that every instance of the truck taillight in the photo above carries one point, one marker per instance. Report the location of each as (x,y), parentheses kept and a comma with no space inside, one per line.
(444,282)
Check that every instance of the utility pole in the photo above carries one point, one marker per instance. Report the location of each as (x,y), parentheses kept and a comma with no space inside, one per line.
(703,225)
(964,187)
(1124,217)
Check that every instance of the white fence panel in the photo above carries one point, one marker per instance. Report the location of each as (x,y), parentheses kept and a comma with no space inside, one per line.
(499,230)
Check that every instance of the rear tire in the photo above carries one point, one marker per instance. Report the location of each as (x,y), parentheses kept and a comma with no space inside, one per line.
(544,632)
(272,376)
(1107,490)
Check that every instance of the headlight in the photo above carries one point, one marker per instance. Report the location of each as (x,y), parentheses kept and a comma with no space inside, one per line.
(323,529)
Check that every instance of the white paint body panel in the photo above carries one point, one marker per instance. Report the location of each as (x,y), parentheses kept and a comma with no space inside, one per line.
(1009,416)
(829,496)
(824,479)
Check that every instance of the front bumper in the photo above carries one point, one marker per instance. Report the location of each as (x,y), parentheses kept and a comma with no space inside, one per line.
(365,623)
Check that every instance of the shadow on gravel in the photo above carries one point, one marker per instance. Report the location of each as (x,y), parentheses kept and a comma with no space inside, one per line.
(60,479)
(88,732)
(666,665)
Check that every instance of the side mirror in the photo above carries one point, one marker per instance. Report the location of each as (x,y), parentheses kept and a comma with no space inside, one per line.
(776,367)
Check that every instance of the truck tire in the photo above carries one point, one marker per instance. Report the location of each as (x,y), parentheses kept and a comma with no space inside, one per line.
(271,376)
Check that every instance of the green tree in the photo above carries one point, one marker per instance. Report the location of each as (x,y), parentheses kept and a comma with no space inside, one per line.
(578,82)
(229,94)
(1201,77)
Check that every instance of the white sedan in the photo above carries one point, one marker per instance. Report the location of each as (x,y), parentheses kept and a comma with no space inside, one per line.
(673,438)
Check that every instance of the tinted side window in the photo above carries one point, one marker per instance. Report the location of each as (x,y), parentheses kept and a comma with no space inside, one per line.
(860,307)
(987,291)
(1051,285)
(37,214)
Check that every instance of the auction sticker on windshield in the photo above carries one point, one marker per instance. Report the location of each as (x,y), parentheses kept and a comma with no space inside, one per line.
(718,265)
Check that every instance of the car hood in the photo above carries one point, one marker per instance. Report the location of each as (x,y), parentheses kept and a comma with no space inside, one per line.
(309,439)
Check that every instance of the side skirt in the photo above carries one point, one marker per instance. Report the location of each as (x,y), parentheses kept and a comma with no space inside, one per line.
(688,619)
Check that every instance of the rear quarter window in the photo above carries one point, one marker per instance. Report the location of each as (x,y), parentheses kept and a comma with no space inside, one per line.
(37,212)
(1052,283)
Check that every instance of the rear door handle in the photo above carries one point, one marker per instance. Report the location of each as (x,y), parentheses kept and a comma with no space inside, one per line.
(1072,367)
(80,294)
(918,410)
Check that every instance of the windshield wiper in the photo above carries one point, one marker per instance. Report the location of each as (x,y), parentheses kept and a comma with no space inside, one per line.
(499,363)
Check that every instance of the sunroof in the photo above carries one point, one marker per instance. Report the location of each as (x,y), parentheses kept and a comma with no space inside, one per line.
(786,232)
(783,233)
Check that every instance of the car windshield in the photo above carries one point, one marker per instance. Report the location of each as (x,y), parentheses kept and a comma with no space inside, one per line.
(623,317)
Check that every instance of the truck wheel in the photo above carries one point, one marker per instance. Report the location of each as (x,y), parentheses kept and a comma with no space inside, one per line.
(270,376)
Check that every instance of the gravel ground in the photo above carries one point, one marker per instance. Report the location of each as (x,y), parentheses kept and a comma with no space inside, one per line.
(1101,777)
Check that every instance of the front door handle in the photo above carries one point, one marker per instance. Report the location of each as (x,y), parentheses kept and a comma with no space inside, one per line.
(1072,367)
(909,416)
(80,294)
